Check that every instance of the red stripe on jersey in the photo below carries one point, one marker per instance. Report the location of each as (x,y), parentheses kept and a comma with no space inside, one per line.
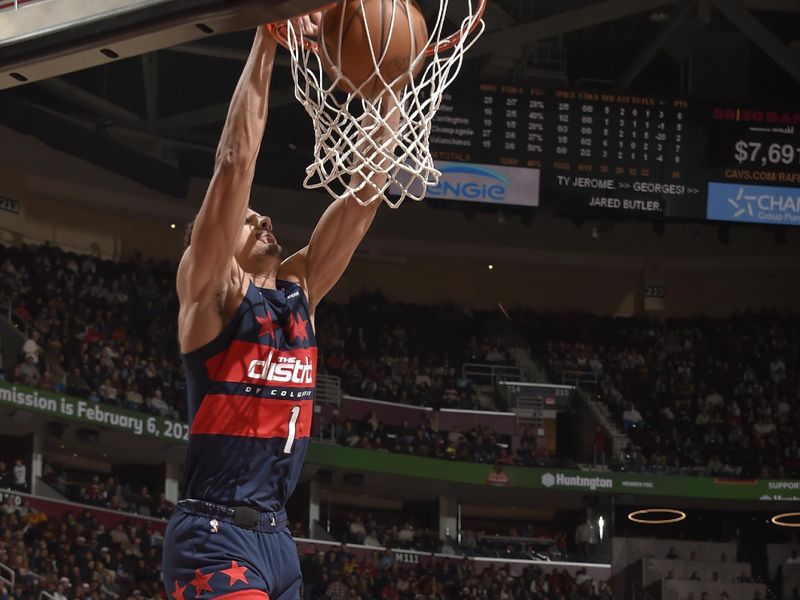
(246,362)
(250,416)
(245,595)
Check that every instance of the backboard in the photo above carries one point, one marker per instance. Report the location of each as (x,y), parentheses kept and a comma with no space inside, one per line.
(40,39)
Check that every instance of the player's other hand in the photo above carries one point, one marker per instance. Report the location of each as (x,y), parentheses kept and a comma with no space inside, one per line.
(308,24)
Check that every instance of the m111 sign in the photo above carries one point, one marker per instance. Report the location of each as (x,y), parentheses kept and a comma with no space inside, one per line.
(598,152)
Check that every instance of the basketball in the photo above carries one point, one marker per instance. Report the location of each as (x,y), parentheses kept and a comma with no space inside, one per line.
(354,31)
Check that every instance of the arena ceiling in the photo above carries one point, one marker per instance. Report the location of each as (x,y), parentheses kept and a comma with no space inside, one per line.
(156,116)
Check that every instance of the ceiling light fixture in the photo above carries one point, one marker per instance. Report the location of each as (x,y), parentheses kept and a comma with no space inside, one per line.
(781,520)
(642,516)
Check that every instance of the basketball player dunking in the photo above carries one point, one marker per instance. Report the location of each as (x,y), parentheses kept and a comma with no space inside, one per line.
(246,331)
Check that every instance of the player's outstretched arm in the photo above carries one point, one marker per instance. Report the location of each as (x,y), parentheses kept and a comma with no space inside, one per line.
(207,266)
(343,225)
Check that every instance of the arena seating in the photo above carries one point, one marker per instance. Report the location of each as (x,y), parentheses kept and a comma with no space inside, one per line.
(106,491)
(337,574)
(680,569)
(529,540)
(120,347)
(406,353)
(725,382)
(74,555)
(707,396)
(480,443)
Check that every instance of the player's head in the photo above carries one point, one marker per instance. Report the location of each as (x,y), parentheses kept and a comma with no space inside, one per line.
(257,249)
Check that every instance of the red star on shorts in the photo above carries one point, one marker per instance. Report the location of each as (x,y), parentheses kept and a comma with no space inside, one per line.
(200,582)
(268,326)
(236,573)
(178,593)
(296,328)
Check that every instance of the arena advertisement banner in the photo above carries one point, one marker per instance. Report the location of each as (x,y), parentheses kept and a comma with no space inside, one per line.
(90,413)
(330,455)
(683,486)
(473,182)
(754,204)
(485,183)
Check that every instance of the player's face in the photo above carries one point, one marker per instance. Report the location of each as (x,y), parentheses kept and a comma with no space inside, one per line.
(257,240)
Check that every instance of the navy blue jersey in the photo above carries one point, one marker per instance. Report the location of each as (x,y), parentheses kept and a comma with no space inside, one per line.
(250,395)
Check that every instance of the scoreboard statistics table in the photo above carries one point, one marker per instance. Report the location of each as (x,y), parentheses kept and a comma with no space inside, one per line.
(600,152)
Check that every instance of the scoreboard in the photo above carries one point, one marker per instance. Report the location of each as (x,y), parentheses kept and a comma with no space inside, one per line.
(607,152)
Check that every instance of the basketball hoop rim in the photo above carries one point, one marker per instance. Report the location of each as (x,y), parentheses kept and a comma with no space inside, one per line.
(279,31)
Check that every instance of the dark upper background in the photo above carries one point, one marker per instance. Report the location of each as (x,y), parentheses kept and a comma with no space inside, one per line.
(157,117)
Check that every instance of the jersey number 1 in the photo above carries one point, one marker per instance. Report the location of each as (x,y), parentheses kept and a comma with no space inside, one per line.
(287,449)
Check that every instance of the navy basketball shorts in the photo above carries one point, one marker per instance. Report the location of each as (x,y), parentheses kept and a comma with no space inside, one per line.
(209,558)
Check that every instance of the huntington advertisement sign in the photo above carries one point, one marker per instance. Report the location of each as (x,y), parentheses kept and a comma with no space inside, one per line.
(86,412)
(333,456)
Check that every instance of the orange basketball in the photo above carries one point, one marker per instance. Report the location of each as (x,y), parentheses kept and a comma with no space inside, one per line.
(354,30)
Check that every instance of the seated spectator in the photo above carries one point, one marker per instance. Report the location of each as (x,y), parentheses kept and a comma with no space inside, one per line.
(357,530)
(28,372)
(371,540)
(157,404)
(31,348)
(632,418)
(20,475)
(406,535)
(582,576)
(337,590)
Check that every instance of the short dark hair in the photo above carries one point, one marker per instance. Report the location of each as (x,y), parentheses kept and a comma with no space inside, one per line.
(187,233)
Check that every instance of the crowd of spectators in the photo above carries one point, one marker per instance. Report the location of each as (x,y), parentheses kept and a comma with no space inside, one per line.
(542,541)
(707,396)
(479,444)
(107,492)
(407,353)
(383,533)
(76,557)
(120,347)
(338,575)
(100,330)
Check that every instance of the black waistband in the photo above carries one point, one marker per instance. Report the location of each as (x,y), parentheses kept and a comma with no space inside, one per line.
(241,516)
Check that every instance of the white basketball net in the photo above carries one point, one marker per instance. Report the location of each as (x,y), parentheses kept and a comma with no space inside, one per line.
(377,147)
